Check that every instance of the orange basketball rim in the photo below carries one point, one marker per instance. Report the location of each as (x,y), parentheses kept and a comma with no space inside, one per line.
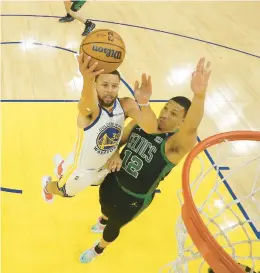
(209,248)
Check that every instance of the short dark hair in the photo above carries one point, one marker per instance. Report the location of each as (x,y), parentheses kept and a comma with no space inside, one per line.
(115,72)
(184,102)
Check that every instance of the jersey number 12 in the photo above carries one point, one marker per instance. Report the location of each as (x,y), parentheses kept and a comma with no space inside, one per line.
(132,164)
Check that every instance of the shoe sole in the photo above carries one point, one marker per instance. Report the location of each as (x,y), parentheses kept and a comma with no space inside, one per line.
(83,34)
(66,21)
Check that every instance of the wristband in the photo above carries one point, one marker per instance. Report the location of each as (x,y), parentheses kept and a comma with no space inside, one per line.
(146,104)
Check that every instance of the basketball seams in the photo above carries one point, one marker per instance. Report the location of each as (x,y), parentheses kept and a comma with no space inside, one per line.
(103,30)
(98,43)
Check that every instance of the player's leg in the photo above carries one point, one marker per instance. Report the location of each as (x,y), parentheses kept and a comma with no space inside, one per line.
(89,25)
(120,208)
(75,7)
(67,5)
(72,13)
(124,213)
(106,200)
(67,186)
(107,208)
(50,188)
(68,17)
(71,8)
(109,198)
(111,232)
(71,183)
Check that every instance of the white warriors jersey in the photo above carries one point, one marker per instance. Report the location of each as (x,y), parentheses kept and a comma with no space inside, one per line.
(97,142)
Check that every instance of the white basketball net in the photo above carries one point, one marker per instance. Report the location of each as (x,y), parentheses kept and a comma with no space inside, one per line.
(223,214)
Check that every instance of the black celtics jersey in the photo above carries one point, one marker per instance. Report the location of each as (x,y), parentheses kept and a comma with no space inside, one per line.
(144,161)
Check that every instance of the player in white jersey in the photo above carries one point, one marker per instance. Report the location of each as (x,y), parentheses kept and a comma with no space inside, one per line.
(100,122)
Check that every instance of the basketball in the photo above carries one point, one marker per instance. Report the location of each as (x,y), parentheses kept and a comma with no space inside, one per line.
(106,47)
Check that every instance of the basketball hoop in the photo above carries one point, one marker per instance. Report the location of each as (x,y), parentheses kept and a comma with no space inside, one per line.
(201,236)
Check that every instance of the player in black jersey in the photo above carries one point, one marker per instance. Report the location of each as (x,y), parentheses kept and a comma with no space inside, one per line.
(72,7)
(147,159)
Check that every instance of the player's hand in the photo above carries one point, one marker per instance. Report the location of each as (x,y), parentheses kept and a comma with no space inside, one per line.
(114,163)
(200,78)
(143,93)
(86,71)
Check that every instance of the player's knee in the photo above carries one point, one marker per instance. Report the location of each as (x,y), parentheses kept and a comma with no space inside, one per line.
(111,232)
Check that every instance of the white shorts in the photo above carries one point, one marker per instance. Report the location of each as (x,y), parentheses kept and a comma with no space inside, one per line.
(75,181)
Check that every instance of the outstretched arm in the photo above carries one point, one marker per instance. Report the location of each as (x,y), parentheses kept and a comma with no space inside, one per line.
(140,110)
(88,103)
(183,141)
(199,85)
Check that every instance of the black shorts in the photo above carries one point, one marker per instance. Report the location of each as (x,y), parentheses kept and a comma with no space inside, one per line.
(77,5)
(117,205)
